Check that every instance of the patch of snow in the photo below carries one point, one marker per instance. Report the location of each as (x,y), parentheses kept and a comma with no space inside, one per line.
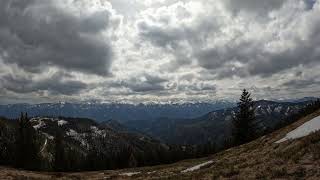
(37,119)
(130,174)
(278,109)
(34,120)
(39,125)
(78,137)
(152,172)
(72,132)
(44,145)
(287,111)
(269,110)
(62,122)
(304,130)
(97,131)
(48,136)
(228,118)
(197,167)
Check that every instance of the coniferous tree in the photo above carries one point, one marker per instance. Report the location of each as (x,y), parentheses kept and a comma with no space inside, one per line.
(132,162)
(6,146)
(244,122)
(27,147)
(20,142)
(59,154)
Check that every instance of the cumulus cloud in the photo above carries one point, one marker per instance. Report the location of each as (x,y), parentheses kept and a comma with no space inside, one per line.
(261,7)
(302,82)
(260,48)
(55,84)
(35,34)
(142,83)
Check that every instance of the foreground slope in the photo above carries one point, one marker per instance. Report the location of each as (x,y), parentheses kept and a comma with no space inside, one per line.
(262,158)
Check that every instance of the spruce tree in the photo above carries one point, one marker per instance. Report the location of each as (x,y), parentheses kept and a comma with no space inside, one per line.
(27,147)
(132,162)
(244,121)
(20,142)
(59,154)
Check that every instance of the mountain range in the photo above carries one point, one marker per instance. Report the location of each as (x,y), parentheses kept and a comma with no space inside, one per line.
(215,126)
(123,112)
(116,111)
(184,124)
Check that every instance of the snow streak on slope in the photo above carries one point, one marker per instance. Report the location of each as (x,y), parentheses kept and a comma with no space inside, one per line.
(44,145)
(130,174)
(197,167)
(40,125)
(304,130)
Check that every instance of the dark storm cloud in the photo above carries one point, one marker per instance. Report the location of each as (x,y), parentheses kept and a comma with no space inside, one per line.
(143,83)
(310,3)
(217,57)
(35,34)
(256,6)
(300,84)
(54,85)
(306,52)
(172,31)
(228,71)
(257,60)
(197,88)
(160,36)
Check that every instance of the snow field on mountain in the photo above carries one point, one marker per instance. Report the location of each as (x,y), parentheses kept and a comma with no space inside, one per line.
(303,130)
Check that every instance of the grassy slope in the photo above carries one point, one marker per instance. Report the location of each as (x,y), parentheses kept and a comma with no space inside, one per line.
(260,159)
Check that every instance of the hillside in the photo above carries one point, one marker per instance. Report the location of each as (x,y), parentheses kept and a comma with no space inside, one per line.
(86,144)
(85,132)
(262,158)
(215,126)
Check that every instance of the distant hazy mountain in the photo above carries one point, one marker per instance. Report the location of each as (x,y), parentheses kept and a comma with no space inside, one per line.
(118,111)
(214,126)
(300,100)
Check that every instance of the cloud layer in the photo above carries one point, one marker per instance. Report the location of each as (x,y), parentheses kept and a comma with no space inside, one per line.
(158,50)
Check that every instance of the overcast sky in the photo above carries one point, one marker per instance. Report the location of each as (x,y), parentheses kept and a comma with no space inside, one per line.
(158,50)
